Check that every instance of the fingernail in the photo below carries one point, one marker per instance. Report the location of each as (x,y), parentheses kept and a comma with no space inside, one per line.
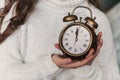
(100,32)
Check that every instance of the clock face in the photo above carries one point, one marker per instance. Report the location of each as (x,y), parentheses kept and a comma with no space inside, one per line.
(76,39)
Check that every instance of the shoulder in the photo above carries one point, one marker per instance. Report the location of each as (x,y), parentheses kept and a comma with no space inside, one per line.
(101,19)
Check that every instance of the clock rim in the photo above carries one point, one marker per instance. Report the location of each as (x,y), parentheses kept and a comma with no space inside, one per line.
(62,34)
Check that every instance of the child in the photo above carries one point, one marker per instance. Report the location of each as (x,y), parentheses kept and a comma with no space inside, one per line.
(28,36)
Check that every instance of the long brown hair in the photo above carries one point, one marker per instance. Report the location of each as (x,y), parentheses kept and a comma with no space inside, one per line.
(23,8)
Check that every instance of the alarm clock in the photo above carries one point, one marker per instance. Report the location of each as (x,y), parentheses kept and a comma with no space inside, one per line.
(77,38)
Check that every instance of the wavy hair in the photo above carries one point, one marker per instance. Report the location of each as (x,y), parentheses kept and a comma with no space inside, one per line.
(22,10)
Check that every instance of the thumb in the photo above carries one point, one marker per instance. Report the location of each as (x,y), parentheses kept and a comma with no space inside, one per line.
(57,46)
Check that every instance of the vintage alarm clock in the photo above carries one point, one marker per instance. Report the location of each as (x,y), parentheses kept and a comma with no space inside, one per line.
(78,37)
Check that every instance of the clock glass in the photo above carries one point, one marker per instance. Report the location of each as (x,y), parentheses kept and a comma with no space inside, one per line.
(76,39)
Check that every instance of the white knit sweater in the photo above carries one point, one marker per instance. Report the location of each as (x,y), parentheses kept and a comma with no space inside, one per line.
(26,54)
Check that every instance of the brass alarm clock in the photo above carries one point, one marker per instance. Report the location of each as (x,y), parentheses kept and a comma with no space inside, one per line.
(78,37)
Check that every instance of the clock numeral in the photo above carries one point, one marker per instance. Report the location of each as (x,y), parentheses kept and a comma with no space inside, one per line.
(84,45)
(82,31)
(72,31)
(86,40)
(85,35)
(80,49)
(75,50)
(66,44)
(70,48)
(66,39)
(67,34)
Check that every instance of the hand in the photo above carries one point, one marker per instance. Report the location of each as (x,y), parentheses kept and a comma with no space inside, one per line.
(67,63)
(99,45)
(70,64)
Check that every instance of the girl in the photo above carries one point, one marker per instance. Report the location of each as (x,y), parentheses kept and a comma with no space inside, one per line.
(29,31)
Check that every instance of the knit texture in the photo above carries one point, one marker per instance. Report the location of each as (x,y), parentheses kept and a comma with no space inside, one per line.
(26,54)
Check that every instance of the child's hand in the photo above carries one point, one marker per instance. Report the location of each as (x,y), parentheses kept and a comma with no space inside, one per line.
(69,64)
(99,45)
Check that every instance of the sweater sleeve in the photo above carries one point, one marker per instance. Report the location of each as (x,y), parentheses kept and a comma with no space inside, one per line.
(107,59)
(105,65)
(13,67)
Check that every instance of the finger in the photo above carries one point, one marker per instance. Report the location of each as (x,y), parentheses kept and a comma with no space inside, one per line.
(98,47)
(60,61)
(57,46)
(97,51)
(78,63)
(90,53)
(99,35)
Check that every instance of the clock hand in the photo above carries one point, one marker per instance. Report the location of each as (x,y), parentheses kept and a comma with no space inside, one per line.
(76,38)
(77,31)
(75,42)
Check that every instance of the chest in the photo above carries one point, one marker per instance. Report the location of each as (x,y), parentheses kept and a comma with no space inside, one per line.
(41,36)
